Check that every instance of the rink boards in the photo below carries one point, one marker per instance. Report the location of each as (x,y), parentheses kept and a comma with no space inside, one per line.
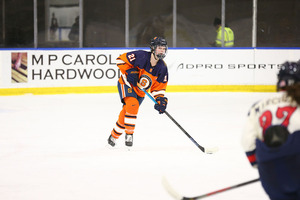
(61,71)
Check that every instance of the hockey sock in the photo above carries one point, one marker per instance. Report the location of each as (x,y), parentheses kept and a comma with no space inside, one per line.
(119,128)
(131,108)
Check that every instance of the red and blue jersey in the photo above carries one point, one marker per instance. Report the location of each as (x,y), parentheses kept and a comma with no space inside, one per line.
(279,110)
(278,166)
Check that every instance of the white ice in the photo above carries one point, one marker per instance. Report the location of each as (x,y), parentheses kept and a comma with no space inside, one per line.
(53,147)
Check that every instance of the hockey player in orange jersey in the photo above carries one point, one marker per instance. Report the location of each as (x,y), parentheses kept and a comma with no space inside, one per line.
(150,71)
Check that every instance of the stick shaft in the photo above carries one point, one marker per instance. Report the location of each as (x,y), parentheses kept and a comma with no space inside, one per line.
(186,133)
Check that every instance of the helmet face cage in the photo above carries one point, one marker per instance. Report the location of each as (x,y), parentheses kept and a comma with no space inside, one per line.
(158,41)
(289,74)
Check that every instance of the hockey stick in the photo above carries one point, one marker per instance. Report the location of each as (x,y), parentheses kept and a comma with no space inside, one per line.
(177,196)
(205,150)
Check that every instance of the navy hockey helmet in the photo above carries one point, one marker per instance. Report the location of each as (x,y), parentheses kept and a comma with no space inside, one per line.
(158,41)
(289,74)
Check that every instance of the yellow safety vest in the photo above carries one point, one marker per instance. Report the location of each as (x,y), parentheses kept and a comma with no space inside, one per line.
(228,37)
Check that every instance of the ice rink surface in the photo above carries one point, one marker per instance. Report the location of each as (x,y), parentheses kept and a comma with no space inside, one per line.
(54,147)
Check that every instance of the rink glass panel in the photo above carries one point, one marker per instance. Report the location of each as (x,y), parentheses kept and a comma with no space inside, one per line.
(103,22)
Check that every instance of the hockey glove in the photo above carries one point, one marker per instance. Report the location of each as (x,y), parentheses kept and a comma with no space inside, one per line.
(161,104)
(132,76)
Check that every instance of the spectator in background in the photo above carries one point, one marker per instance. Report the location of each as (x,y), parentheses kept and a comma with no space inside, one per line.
(271,137)
(228,35)
(53,27)
(74,33)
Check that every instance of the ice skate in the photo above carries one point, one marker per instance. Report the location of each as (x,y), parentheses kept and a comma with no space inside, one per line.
(128,140)
(111,141)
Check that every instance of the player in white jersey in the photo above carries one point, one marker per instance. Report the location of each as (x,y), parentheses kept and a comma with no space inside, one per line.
(271,137)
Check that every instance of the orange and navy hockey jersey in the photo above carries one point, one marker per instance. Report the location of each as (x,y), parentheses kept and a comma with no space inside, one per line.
(154,78)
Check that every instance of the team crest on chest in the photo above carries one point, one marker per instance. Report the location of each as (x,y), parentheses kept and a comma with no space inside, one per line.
(145,81)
